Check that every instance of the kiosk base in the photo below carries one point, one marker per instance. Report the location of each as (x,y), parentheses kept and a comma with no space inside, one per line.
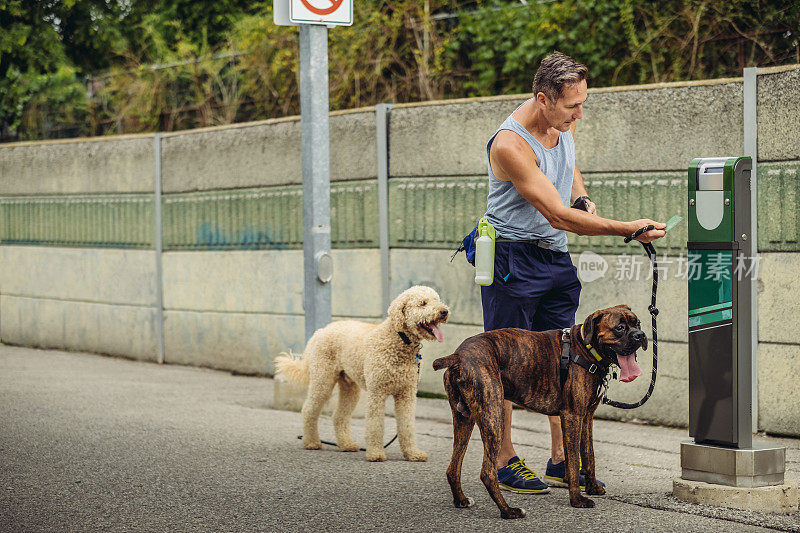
(758,466)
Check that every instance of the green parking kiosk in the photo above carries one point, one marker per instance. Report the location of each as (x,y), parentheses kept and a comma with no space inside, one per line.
(720,249)
(719,303)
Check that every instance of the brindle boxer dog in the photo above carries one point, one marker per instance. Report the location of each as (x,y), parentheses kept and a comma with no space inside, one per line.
(523,366)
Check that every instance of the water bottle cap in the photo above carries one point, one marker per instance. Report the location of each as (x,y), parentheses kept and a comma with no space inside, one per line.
(484,228)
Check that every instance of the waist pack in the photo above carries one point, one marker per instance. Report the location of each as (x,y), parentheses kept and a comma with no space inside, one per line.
(468,246)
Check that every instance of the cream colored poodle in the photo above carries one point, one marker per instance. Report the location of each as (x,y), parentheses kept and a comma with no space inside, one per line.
(379,358)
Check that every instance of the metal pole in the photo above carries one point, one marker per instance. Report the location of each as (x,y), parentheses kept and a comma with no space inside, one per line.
(751,150)
(158,250)
(382,140)
(317,262)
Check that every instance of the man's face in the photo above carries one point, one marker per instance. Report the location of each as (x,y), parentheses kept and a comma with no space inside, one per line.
(567,109)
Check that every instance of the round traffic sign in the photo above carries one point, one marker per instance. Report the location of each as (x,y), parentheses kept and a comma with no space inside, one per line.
(322,11)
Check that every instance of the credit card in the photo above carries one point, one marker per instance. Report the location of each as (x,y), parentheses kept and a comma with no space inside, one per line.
(671,223)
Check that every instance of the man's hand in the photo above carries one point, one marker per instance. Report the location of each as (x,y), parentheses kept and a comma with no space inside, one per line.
(648,236)
(591,208)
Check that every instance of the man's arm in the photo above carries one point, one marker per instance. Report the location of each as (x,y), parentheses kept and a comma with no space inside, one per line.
(578,188)
(512,159)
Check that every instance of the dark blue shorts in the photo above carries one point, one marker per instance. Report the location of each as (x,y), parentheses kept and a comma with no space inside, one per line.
(534,289)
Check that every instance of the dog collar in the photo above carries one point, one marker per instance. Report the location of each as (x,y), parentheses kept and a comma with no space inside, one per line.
(591,349)
(404,337)
(418,356)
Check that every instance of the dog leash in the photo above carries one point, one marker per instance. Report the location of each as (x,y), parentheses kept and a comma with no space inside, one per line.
(360,449)
(329,443)
(651,253)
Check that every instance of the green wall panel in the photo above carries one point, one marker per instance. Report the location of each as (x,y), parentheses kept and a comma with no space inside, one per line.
(438,212)
(434,212)
(116,221)
(631,197)
(778,210)
(354,214)
(235,219)
(263,218)
(423,213)
(267,218)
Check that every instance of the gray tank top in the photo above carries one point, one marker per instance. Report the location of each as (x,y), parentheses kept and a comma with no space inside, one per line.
(509,212)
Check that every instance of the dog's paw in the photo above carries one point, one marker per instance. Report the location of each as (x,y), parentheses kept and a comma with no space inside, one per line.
(309,444)
(581,502)
(513,512)
(415,455)
(376,456)
(348,446)
(467,502)
(596,490)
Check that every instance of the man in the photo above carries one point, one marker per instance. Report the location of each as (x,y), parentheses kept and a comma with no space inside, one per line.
(532,182)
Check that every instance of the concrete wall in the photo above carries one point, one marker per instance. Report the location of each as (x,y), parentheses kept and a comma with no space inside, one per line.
(77,266)
(236,310)
(79,299)
(102,165)
(779,114)
(264,153)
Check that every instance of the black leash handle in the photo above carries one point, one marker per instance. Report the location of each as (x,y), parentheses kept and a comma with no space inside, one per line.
(638,232)
(651,253)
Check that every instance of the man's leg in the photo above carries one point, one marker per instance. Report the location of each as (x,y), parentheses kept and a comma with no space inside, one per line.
(556,439)
(506,446)
(556,310)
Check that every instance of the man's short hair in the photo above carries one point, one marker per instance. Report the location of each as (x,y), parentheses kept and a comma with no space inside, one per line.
(557,71)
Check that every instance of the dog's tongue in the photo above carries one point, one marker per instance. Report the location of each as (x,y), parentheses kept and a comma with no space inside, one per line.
(629,368)
(437,332)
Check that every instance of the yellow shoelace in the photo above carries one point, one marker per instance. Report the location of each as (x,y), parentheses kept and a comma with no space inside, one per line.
(521,470)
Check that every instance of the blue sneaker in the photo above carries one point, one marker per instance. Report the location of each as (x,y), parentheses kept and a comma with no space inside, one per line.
(555,474)
(517,477)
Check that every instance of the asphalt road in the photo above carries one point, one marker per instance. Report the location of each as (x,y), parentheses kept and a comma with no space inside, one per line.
(91,443)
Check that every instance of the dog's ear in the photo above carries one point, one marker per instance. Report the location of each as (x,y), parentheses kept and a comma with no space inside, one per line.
(397,310)
(589,327)
(624,306)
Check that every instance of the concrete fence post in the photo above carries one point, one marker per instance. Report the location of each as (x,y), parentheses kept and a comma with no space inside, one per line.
(158,249)
(382,112)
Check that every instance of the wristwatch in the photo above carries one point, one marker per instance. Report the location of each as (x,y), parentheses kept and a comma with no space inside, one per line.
(581,203)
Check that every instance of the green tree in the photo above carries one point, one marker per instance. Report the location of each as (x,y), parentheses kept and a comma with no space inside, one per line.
(499,45)
(174,64)
(36,78)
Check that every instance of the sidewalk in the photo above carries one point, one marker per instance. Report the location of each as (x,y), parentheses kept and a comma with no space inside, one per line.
(92,443)
(636,461)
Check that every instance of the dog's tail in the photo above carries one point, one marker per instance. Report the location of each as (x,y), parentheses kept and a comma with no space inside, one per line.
(451,378)
(292,368)
(445,362)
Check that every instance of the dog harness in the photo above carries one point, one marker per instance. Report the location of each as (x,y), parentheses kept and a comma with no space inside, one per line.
(568,356)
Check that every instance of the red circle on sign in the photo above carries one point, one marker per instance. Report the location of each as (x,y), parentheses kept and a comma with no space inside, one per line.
(327,11)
